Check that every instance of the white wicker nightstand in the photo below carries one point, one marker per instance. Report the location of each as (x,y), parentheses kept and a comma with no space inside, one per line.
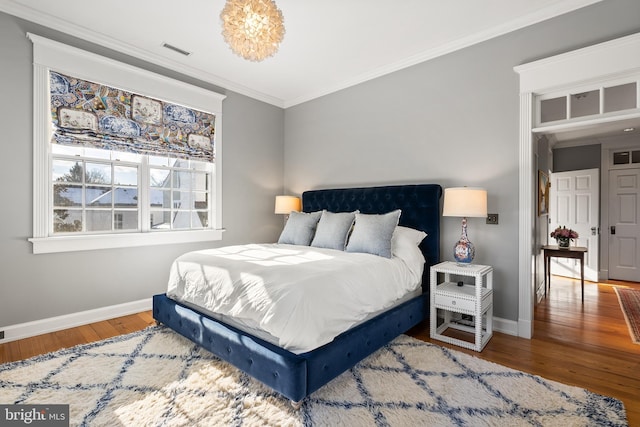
(471,299)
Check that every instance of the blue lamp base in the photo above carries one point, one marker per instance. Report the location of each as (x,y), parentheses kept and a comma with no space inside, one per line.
(463,250)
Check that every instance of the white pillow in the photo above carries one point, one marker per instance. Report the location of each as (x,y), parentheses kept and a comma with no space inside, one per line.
(406,235)
(300,228)
(404,245)
(333,230)
(372,233)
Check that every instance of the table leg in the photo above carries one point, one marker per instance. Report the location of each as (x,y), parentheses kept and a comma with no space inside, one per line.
(545,274)
(582,276)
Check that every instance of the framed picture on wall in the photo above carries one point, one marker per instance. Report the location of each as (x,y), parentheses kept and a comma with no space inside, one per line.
(543,193)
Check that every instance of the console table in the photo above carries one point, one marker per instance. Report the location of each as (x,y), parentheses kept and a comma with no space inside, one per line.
(575,252)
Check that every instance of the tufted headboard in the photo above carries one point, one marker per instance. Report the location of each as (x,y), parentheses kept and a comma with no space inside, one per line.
(420,205)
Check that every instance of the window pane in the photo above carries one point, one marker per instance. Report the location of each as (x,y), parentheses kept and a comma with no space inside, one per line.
(67,221)
(201,200)
(67,195)
(98,220)
(179,163)
(203,218)
(124,156)
(126,197)
(621,158)
(96,153)
(585,103)
(98,196)
(161,199)
(124,175)
(621,97)
(200,166)
(182,200)
(98,173)
(160,178)
(67,171)
(200,181)
(125,220)
(182,179)
(161,220)
(158,161)
(70,150)
(182,220)
(553,109)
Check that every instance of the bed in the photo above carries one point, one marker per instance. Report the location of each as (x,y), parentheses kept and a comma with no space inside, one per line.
(297,375)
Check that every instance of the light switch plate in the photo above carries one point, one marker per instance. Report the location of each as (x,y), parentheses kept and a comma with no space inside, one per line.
(492,218)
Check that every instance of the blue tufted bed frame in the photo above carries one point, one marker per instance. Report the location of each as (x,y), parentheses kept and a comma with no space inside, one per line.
(298,375)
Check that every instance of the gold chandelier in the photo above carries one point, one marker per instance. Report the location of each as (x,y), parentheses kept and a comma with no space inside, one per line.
(252,28)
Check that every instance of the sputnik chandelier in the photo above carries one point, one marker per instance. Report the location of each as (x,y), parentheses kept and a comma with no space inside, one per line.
(252,28)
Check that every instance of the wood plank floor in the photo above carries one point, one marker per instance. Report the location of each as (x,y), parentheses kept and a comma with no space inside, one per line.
(583,345)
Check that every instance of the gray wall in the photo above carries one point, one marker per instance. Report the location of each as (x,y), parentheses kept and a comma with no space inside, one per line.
(453,121)
(576,158)
(40,286)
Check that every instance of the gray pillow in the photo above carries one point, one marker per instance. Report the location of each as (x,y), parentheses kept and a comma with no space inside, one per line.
(333,230)
(300,228)
(372,233)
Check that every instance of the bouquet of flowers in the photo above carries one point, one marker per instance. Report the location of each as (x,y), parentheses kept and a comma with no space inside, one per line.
(564,232)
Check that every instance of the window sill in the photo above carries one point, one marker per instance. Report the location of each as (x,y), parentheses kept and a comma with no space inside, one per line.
(47,245)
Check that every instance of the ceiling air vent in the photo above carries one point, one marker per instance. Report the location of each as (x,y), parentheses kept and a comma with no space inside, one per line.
(176,49)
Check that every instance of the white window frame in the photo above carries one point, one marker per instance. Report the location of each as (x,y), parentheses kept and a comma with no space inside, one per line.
(51,55)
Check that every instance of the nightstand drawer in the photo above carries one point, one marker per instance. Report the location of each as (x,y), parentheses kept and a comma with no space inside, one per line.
(454,303)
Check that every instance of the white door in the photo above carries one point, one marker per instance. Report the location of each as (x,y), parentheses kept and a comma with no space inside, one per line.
(624,221)
(574,202)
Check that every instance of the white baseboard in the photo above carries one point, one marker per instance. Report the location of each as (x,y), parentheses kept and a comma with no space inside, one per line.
(52,324)
(509,327)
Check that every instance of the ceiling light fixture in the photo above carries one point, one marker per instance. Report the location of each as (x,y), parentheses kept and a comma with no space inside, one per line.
(628,129)
(253,29)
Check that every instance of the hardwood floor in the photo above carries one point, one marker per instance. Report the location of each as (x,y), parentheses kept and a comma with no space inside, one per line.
(29,347)
(583,345)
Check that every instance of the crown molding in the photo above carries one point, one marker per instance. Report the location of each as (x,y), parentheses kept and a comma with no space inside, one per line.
(552,11)
(12,8)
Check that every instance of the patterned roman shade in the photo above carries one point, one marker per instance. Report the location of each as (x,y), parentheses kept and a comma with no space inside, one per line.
(99,116)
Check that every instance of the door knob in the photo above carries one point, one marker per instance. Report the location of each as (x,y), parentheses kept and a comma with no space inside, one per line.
(613,229)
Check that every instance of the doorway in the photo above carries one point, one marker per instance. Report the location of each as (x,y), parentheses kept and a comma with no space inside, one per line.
(597,69)
(574,203)
(624,224)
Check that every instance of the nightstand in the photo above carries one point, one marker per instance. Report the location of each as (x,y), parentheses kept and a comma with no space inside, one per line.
(470,299)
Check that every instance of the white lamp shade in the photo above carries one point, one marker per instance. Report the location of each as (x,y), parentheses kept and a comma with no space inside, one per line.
(286,204)
(465,202)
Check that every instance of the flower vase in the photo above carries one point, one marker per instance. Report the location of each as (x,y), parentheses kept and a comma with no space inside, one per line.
(563,242)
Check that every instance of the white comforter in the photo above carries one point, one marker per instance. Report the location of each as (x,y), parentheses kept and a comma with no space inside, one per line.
(301,295)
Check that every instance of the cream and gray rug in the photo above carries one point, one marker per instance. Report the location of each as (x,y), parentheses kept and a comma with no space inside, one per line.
(157,378)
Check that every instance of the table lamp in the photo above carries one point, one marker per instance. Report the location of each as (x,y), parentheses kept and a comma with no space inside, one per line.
(464,202)
(286,204)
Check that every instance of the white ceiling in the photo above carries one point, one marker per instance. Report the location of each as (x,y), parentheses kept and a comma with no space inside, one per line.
(328,45)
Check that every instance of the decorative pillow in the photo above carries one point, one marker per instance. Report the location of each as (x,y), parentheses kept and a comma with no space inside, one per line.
(406,236)
(372,233)
(404,245)
(333,230)
(300,228)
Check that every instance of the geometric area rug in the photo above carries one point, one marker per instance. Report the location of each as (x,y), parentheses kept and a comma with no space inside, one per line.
(630,304)
(155,377)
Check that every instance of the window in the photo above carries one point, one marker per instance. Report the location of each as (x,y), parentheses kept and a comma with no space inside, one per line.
(179,194)
(122,159)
